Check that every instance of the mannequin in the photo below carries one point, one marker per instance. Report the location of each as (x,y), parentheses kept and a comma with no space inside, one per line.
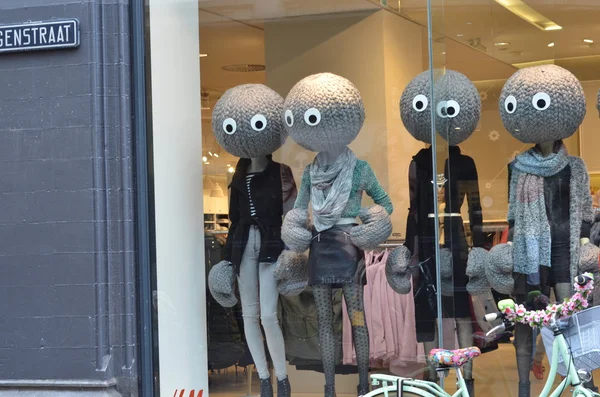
(247,123)
(457,113)
(324,113)
(549,235)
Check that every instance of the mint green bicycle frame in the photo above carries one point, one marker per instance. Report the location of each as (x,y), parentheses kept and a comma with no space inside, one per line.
(390,383)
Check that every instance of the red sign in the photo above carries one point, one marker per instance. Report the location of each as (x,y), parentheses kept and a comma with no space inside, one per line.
(192,393)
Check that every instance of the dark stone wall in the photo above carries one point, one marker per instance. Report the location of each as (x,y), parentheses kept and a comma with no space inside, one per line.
(67,263)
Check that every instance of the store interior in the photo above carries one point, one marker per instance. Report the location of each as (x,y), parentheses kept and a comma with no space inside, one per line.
(380,46)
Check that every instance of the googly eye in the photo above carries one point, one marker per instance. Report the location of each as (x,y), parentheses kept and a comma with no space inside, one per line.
(289,118)
(229,126)
(312,117)
(452,108)
(258,122)
(441,109)
(510,104)
(420,103)
(541,101)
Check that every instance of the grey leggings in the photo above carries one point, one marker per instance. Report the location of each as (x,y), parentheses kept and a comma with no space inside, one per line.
(353,294)
(524,335)
(259,296)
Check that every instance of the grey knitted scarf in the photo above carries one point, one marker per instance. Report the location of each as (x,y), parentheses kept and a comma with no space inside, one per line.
(532,237)
(330,188)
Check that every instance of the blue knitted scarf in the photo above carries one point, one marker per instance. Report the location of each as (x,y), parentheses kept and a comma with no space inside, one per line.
(532,237)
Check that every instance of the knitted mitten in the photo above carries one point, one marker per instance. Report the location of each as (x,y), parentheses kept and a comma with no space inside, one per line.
(477,263)
(291,273)
(588,258)
(375,229)
(396,270)
(499,271)
(221,284)
(295,231)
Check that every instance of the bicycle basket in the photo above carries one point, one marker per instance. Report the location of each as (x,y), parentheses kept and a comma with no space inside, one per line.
(583,336)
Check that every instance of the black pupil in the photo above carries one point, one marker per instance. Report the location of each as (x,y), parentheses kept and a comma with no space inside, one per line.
(312,118)
(229,128)
(289,120)
(541,103)
(259,124)
(510,107)
(419,105)
(451,111)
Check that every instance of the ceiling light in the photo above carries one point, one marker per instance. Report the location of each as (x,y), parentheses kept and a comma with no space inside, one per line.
(216,191)
(551,45)
(216,155)
(204,158)
(523,11)
(204,108)
(469,23)
(460,35)
(589,41)
(230,169)
(203,55)
(210,154)
(502,44)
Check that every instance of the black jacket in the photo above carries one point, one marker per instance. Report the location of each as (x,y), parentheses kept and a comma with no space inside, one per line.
(273,193)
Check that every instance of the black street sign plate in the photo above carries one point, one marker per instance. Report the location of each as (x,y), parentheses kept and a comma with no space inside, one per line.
(45,35)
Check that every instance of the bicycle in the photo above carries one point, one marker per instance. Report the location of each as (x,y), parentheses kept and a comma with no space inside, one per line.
(509,312)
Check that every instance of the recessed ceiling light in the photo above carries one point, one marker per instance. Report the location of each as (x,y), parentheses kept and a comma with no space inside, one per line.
(203,55)
(216,155)
(502,44)
(589,41)
(469,23)
(210,153)
(551,45)
(460,35)
(230,169)
(204,158)
(524,11)
(444,53)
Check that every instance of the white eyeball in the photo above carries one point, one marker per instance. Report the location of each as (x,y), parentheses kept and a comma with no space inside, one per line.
(452,108)
(420,103)
(229,126)
(541,101)
(510,104)
(441,109)
(289,118)
(312,117)
(258,122)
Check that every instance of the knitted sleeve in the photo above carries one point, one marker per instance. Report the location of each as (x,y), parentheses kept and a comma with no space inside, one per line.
(304,193)
(579,171)
(374,189)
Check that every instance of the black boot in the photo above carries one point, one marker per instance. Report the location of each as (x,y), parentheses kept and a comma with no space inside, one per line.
(470,387)
(361,390)
(524,389)
(266,388)
(283,388)
(329,391)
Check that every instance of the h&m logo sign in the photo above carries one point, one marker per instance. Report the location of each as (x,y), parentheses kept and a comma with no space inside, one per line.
(191,393)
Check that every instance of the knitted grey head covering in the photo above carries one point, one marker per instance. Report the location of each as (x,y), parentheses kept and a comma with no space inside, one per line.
(542,103)
(247,121)
(477,263)
(323,112)
(588,258)
(500,268)
(221,284)
(458,107)
(291,273)
(415,107)
(397,270)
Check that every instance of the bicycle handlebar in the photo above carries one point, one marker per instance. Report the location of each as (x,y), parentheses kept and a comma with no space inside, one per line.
(511,313)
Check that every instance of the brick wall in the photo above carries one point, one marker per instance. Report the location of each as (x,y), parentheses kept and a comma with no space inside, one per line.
(67,295)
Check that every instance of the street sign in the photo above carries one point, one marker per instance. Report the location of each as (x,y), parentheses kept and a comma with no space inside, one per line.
(45,35)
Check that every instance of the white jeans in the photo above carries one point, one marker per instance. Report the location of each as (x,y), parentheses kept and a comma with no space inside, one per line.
(259,296)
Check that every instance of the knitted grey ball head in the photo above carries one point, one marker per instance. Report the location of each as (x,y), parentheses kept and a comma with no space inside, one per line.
(323,112)
(458,107)
(415,107)
(541,104)
(477,262)
(500,268)
(247,121)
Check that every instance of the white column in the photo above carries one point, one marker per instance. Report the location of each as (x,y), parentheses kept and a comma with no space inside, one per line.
(177,145)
